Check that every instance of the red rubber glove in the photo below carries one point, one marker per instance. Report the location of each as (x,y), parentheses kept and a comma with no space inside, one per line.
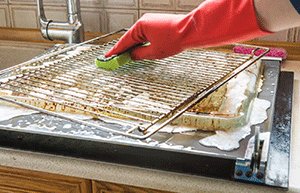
(212,23)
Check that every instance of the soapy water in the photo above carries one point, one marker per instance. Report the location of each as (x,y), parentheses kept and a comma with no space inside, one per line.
(42,123)
(229,140)
(33,121)
(8,112)
(29,120)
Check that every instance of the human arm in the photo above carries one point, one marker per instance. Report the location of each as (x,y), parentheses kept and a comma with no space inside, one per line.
(212,23)
(276,15)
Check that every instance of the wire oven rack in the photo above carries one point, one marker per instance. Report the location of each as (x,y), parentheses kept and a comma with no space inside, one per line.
(147,94)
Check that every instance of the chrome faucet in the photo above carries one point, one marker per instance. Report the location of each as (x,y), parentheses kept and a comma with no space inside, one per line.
(70,32)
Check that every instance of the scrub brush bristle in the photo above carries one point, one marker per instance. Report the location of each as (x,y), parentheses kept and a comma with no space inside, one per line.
(274,52)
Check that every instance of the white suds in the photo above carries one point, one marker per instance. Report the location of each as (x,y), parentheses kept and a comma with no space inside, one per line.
(229,140)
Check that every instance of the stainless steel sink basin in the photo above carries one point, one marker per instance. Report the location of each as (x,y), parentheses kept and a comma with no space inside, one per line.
(16,52)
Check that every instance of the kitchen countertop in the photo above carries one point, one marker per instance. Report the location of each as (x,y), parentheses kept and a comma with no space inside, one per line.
(155,179)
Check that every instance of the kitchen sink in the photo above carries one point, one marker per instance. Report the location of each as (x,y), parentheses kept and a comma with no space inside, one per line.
(68,78)
(16,52)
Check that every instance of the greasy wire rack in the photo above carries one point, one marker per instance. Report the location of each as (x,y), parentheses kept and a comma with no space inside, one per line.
(147,94)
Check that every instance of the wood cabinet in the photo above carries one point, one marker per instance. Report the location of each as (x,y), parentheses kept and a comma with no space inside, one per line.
(106,187)
(14,180)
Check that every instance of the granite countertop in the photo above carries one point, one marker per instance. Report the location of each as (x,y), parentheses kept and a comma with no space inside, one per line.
(155,179)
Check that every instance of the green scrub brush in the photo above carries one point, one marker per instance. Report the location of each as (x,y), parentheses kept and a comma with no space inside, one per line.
(117,60)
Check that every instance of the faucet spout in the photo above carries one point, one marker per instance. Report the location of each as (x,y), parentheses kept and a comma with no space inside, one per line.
(70,32)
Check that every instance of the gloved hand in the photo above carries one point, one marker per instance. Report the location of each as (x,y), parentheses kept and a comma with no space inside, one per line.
(212,23)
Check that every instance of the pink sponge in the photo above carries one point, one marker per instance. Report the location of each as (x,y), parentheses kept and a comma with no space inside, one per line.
(274,52)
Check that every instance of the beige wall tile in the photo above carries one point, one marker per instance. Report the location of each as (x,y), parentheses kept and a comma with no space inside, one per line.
(57,14)
(297,34)
(3,1)
(283,36)
(157,4)
(182,12)
(187,5)
(93,19)
(83,3)
(92,3)
(142,12)
(116,19)
(107,15)
(22,2)
(132,4)
(55,2)
(4,16)
(292,36)
(24,16)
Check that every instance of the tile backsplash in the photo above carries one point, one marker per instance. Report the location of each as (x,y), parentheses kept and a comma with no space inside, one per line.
(106,15)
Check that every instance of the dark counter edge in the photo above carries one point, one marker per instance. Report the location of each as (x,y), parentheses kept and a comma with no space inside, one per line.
(146,157)
(175,161)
